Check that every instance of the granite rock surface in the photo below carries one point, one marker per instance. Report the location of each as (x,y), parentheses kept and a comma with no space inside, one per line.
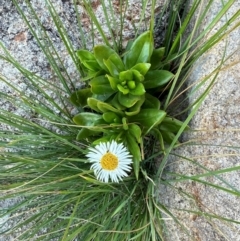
(217,123)
(214,144)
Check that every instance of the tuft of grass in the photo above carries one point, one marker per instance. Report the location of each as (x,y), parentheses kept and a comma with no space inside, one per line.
(43,165)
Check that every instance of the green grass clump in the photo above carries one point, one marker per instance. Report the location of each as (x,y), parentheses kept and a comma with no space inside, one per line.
(43,164)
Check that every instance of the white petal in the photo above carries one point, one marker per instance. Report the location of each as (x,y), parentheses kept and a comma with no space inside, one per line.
(124,166)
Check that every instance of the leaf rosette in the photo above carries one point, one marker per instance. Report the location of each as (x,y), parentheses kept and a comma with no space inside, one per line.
(121,99)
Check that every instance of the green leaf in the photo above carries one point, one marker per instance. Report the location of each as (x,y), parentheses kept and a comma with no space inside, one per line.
(137,75)
(113,82)
(85,133)
(100,106)
(79,97)
(125,123)
(157,134)
(151,102)
(157,56)
(126,75)
(142,68)
(84,55)
(103,97)
(157,78)
(105,139)
(148,118)
(138,90)
(92,65)
(112,69)
(114,65)
(105,107)
(168,137)
(135,131)
(100,85)
(88,60)
(92,103)
(115,103)
(134,149)
(129,44)
(140,51)
(86,119)
(101,53)
(111,117)
(128,100)
(92,74)
(136,108)
(171,124)
(123,90)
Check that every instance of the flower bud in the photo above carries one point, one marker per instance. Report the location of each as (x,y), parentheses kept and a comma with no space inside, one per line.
(131,85)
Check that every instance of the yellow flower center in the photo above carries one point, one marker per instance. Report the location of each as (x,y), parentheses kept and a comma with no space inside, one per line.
(109,161)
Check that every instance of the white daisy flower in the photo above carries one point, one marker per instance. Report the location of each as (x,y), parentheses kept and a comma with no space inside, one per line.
(110,161)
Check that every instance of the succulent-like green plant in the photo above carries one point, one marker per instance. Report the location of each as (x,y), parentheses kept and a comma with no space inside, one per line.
(121,97)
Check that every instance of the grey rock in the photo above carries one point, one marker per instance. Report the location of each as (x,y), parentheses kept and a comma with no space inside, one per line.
(218,114)
(215,145)
(21,44)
